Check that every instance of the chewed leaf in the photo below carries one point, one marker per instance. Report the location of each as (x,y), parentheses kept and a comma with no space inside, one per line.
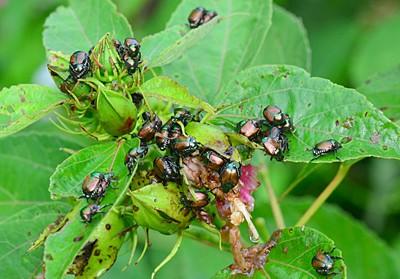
(320,110)
(166,89)
(168,45)
(78,247)
(23,104)
(80,25)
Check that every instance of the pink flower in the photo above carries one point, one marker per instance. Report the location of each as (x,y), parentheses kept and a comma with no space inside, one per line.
(249,183)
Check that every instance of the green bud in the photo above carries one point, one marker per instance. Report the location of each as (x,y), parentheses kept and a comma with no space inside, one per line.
(159,208)
(117,113)
(106,63)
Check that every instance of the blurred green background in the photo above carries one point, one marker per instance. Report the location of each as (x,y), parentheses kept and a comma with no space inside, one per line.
(350,41)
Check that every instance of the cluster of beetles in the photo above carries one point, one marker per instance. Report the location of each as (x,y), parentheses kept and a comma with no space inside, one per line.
(270,132)
(129,52)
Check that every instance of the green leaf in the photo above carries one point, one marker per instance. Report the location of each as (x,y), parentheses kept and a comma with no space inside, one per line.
(87,250)
(320,110)
(366,256)
(228,48)
(82,24)
(23,104)
(286,42)
(102,237)
(383,90)
(168,45)
(292,256)
(27,160)
(67,180)
(295,250)
(164,88)
(377,50)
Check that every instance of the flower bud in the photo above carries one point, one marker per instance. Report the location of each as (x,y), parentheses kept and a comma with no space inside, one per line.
(117,113)
(159,208)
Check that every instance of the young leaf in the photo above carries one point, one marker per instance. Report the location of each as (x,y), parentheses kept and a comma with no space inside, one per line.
(320,110)
(23,104)
(286,42)
(25,206)
(229,47)
(80,25)
(377,50)
(166,89)
(67,180)
(168,45)
(357,243)
(383,90)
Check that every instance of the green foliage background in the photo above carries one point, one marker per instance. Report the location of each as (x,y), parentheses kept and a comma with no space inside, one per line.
(352,43)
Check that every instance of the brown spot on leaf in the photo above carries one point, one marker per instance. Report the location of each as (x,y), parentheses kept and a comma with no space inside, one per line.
(346,140)
(22,98)
(108,227)
(383,108)
(97,252)
(78,238)
(348,123)
(48,257)
(285,250)
(366,114)
(384,147)
(375,138)
(337,123)
(81,261)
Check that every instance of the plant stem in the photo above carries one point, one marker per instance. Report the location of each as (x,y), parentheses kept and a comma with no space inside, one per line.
(340,175)
(276,210)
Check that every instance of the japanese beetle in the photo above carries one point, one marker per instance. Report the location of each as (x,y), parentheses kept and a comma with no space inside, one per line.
(287,124)
(133,47)
(95,185)
(275,143)
(229,175)
(196,17)
(162,138)
(89,211)
(323,263)
(150,127)
(79,64)
(326,146)
(184,146)
(273,115)
(132,64)
(167,169)
(137,99)
(249,128)
(120,48)
(183,116)
(209,16)
(134,154)
(213,160)
(201,200)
